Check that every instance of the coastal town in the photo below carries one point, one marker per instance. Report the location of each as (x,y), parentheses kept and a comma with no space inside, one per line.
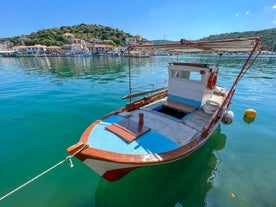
(76,47)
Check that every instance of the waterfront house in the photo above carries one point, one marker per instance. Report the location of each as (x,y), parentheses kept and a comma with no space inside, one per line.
(30,50)
(72,49)
(101,49)
(53,50)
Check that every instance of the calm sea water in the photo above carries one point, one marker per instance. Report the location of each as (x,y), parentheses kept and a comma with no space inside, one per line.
(46,103)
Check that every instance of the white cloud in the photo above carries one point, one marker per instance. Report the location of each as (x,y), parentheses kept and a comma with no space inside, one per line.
(241,14)
(274,7)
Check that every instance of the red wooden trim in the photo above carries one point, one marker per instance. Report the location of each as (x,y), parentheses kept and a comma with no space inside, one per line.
(114,157)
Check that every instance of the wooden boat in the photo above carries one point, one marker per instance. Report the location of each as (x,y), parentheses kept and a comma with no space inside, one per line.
(167,123)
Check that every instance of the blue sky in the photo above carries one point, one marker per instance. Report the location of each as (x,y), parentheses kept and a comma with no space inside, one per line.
(152,19)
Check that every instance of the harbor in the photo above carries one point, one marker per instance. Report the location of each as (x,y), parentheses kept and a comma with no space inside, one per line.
(76,47)
(47,102)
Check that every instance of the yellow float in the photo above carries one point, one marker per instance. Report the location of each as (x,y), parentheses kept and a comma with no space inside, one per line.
(250,113)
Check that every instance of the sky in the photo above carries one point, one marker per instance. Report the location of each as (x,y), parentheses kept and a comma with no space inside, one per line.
(152,19)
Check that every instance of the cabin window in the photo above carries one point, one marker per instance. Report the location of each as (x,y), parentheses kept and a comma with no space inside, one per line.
(190,75)
(195,75)
(180,74)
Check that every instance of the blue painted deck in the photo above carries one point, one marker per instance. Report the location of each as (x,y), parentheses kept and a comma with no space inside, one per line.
(151,142)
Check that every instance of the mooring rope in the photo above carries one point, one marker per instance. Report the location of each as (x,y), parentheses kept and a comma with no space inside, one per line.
(44,172)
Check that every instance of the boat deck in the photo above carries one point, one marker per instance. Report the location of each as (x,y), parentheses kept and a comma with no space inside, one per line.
(164,132)
(150,142)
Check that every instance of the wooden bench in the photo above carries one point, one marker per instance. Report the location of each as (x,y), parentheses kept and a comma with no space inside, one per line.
(128,129)
(179,106)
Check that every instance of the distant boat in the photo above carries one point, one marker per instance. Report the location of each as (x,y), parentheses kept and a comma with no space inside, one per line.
(169,122)
(138,53)
(8,53)
(84,53)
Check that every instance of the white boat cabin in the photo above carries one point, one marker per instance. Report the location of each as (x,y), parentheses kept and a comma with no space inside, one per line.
(190,84)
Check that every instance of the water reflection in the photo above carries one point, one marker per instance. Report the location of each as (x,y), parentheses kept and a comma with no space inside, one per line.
(67,67)
(114,68)
(182,183)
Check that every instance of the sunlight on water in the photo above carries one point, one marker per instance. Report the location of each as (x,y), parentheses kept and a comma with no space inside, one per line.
(46,103)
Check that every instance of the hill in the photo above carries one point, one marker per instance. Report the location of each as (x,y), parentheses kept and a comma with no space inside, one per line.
(157,42)
(268,37)
(54,36)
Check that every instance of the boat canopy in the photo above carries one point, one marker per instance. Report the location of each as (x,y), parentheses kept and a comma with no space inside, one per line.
(248,46)
(243,45)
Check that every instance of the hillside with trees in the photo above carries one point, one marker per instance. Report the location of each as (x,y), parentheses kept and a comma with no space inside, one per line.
(54,36)
(268,37)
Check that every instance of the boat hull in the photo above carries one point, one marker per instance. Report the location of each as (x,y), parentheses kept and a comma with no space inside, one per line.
(108,170)
(113,166)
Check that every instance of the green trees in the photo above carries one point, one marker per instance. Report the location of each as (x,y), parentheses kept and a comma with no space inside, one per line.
(54,36)
(268,37)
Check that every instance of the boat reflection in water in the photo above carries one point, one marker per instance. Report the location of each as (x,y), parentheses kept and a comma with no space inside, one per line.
(181,183)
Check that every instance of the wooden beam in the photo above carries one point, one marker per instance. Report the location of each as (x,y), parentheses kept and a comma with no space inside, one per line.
(133,95)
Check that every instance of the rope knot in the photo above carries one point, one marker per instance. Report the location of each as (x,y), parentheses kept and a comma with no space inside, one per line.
(70,161)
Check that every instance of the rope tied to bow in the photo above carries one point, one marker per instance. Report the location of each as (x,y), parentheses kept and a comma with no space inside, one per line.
(68,158)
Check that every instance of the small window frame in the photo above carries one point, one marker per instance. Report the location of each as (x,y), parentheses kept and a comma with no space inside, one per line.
(194,76)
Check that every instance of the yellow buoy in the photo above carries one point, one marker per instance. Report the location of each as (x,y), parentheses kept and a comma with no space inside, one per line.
(250,113)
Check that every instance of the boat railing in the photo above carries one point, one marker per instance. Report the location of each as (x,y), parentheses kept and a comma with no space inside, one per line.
(150,89)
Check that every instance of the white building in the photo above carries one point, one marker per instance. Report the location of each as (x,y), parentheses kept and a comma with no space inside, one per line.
(130,41)
(72,49)
(34,49)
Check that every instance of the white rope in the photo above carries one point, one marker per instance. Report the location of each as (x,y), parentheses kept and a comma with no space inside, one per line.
(43,173)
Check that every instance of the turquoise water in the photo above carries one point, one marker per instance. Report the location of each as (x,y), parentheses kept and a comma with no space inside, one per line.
(46,103)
